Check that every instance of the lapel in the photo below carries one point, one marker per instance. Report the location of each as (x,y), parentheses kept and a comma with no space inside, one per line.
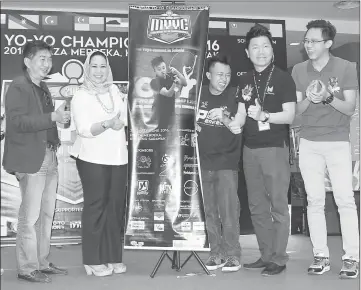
(34,94)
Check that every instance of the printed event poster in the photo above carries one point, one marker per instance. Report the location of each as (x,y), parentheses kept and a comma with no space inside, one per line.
(167,47)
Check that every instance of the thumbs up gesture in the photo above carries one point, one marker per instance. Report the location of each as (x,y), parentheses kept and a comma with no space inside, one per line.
(255,112)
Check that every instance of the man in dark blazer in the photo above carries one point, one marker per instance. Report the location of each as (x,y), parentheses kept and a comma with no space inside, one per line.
(30,153)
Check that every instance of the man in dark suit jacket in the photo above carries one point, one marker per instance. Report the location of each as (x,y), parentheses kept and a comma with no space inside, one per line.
(30,153)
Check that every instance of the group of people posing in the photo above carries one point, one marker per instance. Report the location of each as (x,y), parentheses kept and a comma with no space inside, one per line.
(322,90)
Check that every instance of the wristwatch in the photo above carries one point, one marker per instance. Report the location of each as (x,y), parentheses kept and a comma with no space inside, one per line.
(329,99)
(266,116)
(104,125)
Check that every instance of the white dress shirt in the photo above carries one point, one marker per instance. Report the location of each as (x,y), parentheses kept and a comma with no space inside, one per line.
(109,147)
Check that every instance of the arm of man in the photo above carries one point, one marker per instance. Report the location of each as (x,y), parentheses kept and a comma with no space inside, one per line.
(235,125)
(182,79)
(347,106)
(302,104)
(16,110)
(168,93)
(286,116)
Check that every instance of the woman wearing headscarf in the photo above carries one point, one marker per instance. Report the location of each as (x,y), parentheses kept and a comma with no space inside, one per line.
(99,113)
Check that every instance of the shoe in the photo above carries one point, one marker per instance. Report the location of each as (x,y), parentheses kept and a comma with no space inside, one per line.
(259,264)
(35,276)
(214,262)
(118,268)
(350,269)
(98,270)
(273,269)
(319,266)
(232,265)
(52,269)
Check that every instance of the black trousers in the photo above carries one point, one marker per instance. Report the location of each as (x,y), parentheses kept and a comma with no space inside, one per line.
(104,191)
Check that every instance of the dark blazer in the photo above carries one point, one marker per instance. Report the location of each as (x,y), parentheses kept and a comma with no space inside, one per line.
(26,127)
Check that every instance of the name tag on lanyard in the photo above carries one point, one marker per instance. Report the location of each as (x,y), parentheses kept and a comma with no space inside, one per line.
(263,126)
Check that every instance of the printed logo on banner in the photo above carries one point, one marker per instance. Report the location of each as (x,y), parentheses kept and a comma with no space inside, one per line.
(198,226)
(190,188)
(167,162)
(137,225)
(186,226)
(169,27)
(184,140)
(144,161)
(158,216)
(137,208)
(75,225)
(165,187)
(137,244)
(159,227)
(143,186)
(204,104)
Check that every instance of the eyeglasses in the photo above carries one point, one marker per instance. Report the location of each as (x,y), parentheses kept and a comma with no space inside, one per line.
(312,41)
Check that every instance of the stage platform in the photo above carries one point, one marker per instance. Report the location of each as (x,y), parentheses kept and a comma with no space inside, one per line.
(140,264)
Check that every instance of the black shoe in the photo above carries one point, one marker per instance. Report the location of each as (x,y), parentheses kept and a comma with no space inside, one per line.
(52,269)
(273,269)
(35,276)
(259,264)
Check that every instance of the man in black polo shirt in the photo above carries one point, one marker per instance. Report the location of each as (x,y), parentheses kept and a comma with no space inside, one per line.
(219,150)
(165,86)
(267,99)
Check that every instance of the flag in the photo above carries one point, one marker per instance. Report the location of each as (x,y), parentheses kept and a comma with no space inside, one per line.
(57,22)
(276,30)
(86,23)
(3,20)
(17,21)
(217,28)
(116,24)
(241,28)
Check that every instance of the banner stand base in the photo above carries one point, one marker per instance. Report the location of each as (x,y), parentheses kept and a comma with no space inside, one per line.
(176,262)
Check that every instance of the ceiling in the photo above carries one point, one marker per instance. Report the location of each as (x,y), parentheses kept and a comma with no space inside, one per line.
(290,10)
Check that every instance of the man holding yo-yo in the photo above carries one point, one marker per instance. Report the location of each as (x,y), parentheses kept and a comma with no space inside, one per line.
(326,99)
(165,85)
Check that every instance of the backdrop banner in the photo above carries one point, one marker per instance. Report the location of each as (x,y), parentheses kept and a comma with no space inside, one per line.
(166,57)
(73,36)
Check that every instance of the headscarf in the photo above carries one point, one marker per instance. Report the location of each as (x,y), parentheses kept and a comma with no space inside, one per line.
(92,86)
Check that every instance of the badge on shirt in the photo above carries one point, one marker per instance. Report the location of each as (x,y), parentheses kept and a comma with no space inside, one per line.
(263,126)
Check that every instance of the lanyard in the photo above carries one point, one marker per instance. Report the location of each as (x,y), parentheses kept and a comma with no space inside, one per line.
(267,83)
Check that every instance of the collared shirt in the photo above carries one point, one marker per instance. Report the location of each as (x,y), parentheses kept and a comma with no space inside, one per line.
(323,122)
(281,89)
(48,107)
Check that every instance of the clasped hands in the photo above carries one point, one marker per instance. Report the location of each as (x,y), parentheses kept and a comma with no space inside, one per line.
(317,96)
(230,123)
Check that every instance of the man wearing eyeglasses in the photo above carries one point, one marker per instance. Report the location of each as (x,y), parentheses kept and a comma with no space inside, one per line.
(326,94)
(30,153)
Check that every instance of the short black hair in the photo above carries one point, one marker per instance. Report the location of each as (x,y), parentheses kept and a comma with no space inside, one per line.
(97,52)
(328,30)
(221,58)
(157,61)
(257,31)
(31,48)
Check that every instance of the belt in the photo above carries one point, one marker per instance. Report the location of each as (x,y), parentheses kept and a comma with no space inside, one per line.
(52,147)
